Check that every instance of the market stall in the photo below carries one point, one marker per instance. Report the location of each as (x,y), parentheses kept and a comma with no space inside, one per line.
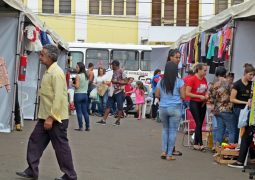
(22,37)
(225,40)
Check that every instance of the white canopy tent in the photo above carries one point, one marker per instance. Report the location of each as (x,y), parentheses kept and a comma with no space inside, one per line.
(242,17)
(243,10)
(13,16)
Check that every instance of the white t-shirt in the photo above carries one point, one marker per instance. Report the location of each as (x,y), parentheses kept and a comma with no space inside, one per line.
(100,79)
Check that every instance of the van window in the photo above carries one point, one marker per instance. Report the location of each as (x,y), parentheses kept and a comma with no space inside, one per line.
(99,57)
(129,59)
(146,61)
(76,57)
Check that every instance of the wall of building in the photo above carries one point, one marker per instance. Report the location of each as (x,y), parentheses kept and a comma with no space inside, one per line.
(114,30)
(80,26)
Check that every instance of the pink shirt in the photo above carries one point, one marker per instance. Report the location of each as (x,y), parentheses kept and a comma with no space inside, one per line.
(139,96)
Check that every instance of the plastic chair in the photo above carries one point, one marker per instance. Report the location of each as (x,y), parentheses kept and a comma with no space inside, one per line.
(189,127)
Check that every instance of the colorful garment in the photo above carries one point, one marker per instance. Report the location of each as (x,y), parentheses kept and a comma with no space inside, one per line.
(196,48)
(118,75)
(139,96)
(4,79)
(211,46)
(219,95)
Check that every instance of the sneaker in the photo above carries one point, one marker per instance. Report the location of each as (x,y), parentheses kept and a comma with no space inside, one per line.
(117,123)
(101,122)
(236,165)
(18,127)
(87,129)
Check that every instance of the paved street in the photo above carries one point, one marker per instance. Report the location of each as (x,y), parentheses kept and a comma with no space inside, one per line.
(129,152)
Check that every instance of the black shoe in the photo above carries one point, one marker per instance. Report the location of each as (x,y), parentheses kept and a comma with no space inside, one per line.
(78,129)
(117,123)
(87,129)
(59,178)
(236,165)
(25,175)
(101,122)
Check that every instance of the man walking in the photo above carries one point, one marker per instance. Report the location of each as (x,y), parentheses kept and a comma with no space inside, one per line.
(52,120)
(119,80)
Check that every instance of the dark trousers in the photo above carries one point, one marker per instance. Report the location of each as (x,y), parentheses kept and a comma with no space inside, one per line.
(245,144)
(198,111)
(129,104)
(17,117)
(154,107)
(236,112)
(38,141)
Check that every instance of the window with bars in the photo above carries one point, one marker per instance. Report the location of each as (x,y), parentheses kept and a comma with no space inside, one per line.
(118,7)
(106,7)
(220,5)
(93,6)
(181,13)
(169,13)
(65,6)
(131,7)
(193,12)
(48,6)
(156,13)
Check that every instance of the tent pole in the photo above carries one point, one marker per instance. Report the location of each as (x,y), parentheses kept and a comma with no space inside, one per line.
(18,53)
(37,89)
(232,46)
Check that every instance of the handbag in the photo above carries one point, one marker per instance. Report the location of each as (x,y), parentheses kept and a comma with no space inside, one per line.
(243,117)
(110,91)
(93,94)
(101,89)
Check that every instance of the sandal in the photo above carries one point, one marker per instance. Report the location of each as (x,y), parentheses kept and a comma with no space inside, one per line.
(170,158)
(202,148)
(163,155)
(196,147)
(177,153)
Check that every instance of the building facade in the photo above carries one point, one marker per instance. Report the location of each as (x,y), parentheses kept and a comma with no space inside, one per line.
(125,21)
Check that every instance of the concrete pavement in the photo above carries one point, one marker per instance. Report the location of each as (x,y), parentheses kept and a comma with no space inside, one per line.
(128,152)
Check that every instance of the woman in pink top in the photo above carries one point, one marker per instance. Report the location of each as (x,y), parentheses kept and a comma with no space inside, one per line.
(139,98)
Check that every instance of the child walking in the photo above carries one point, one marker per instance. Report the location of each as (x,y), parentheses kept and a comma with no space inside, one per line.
(139,98)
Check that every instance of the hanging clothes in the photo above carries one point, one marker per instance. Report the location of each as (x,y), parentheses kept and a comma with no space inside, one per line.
(211,46)
(44,38)
(33,42)
(227,43)
(191,51)
(196,48)
(220,50)
(183,50)
(203,44)
(4,79)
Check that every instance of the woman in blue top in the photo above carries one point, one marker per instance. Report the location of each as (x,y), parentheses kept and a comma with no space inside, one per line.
(80,95)
(171,91)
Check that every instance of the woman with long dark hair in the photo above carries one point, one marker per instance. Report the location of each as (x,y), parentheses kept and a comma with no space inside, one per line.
(80,96)
(170,90)
(174,55)
(196,89)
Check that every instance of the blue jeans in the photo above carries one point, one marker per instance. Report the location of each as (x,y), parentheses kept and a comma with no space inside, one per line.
(225,120)
(170,118)
(81,103)
(215,129)
(236,112)
(102,103)
(118,99)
